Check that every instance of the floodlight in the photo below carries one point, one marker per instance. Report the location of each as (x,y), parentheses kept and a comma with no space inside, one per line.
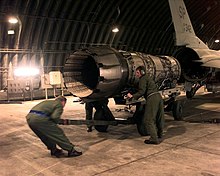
(115,29)
(13,20)
(11,32)
(26,71)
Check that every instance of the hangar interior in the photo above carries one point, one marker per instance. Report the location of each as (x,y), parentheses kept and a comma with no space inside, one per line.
(46,33)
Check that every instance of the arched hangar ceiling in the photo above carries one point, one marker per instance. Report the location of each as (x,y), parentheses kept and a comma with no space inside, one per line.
(56,27)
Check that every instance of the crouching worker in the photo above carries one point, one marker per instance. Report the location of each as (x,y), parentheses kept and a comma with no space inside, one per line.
(43,119)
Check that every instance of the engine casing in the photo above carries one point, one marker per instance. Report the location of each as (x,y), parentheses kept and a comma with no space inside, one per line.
(103,72)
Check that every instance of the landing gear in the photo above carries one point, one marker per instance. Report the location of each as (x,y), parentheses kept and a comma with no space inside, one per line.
(177,110)
(103,113)
(175,106)
(100,115)
(141,127)
(139,119)
(191,89)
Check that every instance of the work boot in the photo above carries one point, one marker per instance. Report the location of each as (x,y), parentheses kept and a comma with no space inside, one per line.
(160,136)
(89,129)
(74,153)
(56,152)
(150,141)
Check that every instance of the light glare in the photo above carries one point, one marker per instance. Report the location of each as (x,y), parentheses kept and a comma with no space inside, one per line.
(11,32)
(115,29)
(26,71)
(13,20)
(217,41)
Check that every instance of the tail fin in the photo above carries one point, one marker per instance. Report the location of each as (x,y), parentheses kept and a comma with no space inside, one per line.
(185,35)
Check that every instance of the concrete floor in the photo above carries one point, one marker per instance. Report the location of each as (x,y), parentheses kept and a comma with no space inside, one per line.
(191,147)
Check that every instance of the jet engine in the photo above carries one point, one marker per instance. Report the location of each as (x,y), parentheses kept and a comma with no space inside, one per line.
(103,72)
(194,74)
(191,65)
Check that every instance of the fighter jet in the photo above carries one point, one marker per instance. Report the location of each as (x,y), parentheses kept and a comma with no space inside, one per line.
(200,65)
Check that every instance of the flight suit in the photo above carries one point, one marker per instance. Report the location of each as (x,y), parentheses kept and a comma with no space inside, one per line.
(154,110)
(43,119)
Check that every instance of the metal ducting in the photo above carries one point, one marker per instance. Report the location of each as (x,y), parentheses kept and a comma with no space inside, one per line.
(98,72)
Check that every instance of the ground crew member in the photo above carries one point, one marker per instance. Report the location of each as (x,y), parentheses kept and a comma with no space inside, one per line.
(43,119)
(154,111)
(98,104)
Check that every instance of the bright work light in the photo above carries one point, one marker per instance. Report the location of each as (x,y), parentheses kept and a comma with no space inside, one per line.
(13,20)
(26,71)
(115,29)
(11,32)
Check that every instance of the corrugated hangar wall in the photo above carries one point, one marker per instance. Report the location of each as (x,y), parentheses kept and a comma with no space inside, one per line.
(49,30)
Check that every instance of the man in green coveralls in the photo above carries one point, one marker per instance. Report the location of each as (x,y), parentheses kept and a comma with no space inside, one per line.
(98,104)
(154,110)
(43,119)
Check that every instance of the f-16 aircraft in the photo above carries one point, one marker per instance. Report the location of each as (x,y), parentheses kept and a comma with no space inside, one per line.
(199,64)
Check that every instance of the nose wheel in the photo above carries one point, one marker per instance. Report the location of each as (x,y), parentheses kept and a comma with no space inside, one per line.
(177,110)
(105,114)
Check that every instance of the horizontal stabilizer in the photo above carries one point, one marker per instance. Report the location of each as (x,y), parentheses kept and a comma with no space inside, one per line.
(215,63)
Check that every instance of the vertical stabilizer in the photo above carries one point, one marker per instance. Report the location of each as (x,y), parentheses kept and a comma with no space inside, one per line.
(185,35)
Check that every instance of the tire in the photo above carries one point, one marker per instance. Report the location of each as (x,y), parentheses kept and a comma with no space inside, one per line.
(189,94)
(141,126)
(100,115)
(177,110)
